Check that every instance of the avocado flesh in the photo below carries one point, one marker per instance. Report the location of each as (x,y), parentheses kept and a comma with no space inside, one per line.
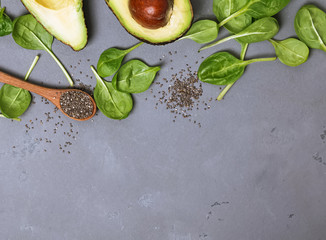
(64,19)
(180,21)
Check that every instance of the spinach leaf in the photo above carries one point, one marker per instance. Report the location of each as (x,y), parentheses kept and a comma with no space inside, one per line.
(112,103)
(309,25)
(222,10)
(225,8)
(222,68)
(111,59)
(261,30)
(258,9)
(6,24)
(15,101)
(29,34)
(235,14)
(265,8)
(134,77)
(291,52)
(244,48)
(203,31)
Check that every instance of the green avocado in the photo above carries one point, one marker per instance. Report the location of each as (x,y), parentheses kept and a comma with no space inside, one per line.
(177,25)
(64,19)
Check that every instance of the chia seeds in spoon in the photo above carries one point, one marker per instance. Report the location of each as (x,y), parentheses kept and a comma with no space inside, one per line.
(76,104)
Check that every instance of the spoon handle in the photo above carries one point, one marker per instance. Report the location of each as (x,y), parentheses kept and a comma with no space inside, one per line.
(44,92)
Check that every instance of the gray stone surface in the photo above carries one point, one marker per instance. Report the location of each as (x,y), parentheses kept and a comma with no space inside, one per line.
(256,169)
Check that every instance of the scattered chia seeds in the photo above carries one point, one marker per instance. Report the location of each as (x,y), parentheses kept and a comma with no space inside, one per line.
(51,128)
(76,104)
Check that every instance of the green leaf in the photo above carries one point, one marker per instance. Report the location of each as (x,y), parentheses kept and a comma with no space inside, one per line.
(261,30)
(15,101)
(134,77)
(222,68)
(112,103)
(258,9)
(309,25)
(291,52)
(265,8)
(235,14)
(30,34)
(244,48)
(111,59)
(203,31)
(6,24)
(225,8)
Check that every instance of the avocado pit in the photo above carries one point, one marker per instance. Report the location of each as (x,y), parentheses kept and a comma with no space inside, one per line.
(151,14)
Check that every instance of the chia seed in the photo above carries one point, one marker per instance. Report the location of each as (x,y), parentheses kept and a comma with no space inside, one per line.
(76,104)
(184,93)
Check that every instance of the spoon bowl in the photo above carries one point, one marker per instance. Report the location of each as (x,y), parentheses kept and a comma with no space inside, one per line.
(55,97)
(52,94)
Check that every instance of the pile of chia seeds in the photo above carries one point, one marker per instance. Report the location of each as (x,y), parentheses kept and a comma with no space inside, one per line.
(76,104)
(181,95)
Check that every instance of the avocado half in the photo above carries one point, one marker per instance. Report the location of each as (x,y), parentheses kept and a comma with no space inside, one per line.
(178,24)
(64,19)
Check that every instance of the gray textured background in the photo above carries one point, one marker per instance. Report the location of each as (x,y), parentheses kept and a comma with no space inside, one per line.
(254,170)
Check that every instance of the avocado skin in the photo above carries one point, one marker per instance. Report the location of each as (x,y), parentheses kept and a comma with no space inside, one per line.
(146,41)
(75,49)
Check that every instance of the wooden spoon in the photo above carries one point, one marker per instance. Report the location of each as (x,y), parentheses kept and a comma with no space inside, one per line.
(53,95)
